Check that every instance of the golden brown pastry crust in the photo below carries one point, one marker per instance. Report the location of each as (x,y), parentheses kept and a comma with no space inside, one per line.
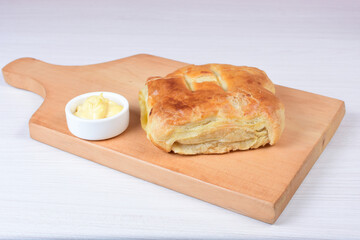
(213,108)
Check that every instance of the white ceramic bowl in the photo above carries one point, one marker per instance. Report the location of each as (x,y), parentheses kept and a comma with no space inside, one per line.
(97,129)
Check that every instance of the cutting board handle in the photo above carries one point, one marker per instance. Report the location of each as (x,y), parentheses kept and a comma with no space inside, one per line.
(18,74)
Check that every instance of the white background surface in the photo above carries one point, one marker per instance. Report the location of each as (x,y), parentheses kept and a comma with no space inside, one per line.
(48,193)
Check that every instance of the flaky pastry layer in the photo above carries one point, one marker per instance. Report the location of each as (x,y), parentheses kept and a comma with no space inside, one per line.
(213,108)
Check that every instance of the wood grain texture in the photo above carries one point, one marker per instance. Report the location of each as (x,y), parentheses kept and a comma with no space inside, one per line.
(257,183)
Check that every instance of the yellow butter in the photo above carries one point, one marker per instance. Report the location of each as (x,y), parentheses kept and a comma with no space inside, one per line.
(97,107)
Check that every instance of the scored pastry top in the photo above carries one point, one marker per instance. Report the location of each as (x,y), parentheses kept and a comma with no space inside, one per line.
(213,91)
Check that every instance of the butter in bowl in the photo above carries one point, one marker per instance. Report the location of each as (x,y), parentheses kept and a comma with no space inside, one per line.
(97,115)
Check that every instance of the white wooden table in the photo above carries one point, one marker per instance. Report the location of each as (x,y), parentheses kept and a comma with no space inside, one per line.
(47,193)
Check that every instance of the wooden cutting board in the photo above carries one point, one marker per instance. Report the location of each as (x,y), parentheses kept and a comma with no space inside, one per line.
(257,183)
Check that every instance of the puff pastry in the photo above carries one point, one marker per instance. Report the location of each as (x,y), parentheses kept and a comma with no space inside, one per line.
(213,108)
